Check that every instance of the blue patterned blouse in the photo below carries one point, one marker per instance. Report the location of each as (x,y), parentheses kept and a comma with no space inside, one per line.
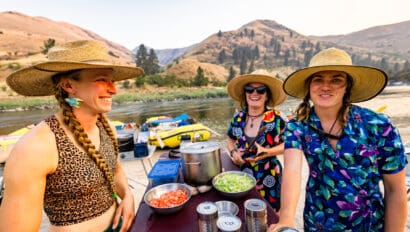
(342,192)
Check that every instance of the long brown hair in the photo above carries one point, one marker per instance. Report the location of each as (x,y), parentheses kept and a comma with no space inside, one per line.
(303,110)
(77,129)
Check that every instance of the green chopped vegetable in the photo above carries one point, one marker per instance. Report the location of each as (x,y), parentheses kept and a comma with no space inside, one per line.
(233,183)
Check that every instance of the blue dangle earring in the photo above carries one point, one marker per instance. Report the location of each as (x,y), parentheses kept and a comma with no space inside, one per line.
(73,102)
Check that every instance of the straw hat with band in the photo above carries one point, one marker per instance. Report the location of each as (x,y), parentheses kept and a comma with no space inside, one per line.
(236,87)
(83,54)
(368,82)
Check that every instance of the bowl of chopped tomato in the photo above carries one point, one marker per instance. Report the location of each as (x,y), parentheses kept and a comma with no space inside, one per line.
(167,198)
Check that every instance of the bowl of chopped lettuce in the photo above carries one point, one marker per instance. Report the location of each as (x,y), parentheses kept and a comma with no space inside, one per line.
(234,184)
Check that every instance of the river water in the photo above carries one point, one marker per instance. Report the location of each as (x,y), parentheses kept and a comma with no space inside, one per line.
(214,113)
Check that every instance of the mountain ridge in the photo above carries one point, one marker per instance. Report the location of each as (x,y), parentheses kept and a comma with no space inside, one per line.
(268,44)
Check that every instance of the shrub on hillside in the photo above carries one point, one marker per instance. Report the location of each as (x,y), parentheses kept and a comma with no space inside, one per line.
(126,84)
(14,66)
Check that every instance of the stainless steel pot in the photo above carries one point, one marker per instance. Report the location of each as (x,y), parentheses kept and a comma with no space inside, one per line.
(202,161)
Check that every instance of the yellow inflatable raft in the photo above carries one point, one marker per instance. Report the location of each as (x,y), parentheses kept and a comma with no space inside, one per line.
(171,137)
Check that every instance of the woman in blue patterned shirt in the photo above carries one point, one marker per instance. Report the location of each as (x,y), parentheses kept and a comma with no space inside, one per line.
(349,150)
(255,132)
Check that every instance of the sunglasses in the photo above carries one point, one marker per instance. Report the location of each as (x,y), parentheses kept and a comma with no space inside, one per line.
(260,90)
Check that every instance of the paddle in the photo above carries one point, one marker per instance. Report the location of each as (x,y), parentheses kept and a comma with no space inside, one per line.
(161,143)
(381,108)
(212,131)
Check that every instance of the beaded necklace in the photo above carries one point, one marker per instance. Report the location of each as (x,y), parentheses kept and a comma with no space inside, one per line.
(253,117)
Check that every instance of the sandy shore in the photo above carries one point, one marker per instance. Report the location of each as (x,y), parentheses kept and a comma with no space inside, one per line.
(396,100)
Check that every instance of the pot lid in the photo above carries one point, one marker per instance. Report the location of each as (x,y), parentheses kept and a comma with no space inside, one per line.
(200,147)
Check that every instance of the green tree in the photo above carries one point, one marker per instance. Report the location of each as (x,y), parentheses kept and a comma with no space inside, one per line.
(139,81)
(308,55)
(251,66)
(236,56)
(406,65)
(47,45)
(317,47)
(286,58)
(243,66)
(277,49)
(232,74)
(126,84)
(153,63)
(396,67)
(200,79)
(403,75)
(141,58)
(219,33)
(303,45)
(256,52)
(383,64)
(222,56)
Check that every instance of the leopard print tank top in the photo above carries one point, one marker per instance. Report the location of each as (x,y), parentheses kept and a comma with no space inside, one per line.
(78,190)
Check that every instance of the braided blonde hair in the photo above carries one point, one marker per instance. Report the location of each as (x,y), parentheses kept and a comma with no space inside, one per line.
(81,137)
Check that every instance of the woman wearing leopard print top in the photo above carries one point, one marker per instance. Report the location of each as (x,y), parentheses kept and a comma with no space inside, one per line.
(68,163)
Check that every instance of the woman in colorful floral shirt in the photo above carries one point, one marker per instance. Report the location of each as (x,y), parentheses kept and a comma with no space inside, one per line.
(349,150)
(255,132)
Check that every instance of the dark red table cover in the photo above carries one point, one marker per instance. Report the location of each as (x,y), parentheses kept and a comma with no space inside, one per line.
(186,219)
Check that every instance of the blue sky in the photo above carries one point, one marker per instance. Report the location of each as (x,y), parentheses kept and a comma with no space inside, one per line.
(179,23)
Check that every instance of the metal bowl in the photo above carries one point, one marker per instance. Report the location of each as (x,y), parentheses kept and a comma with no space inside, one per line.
(285,229)
(157,191)
(227,208)
(226,183)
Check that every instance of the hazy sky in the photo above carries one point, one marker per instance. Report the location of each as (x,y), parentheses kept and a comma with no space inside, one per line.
(179,23)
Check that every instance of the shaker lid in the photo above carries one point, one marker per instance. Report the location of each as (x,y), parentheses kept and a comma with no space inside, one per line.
(255,204)
(207,209)
(229,223)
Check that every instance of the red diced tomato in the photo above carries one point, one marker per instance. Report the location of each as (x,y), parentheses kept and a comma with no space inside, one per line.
(170,199)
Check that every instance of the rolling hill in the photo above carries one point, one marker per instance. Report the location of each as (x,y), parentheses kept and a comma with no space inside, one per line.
(260,44)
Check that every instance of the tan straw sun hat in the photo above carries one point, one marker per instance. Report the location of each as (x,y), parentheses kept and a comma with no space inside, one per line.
(83,54)
(368,82)
(236,86)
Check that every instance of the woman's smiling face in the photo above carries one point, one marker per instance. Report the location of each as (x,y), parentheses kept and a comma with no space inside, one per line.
(96,88)
(253,98)
(327,88)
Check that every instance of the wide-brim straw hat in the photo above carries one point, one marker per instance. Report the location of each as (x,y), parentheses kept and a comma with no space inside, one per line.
(368,82)
(83,54)
(236,86)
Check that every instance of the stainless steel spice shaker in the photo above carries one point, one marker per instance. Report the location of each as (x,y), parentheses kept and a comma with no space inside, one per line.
(229,223)
(207,215)
(256,217)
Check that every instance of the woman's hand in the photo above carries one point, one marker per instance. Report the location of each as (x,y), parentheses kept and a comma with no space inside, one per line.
(276,227)
(125,210)
(261,153)
(237,157)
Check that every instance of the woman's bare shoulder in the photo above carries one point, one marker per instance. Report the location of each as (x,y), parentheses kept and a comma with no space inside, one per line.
(36,149)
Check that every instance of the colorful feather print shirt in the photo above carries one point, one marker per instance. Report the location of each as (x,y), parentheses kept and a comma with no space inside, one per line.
(342,191)
(267,172)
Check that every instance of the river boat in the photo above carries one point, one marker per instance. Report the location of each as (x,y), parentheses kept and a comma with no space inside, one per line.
(171,137)
(166,131)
